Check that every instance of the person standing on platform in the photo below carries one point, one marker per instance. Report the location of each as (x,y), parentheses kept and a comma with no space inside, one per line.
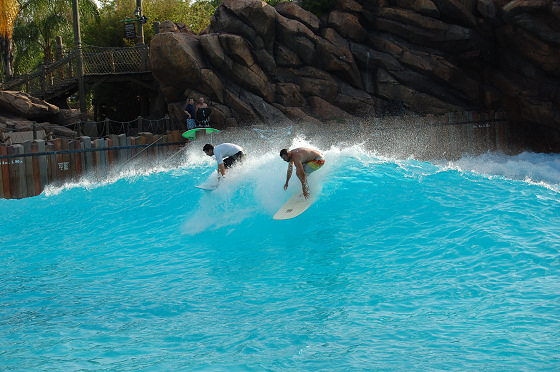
(202,113)
(189,113)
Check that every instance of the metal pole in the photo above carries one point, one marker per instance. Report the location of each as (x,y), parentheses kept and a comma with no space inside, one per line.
(139,29)
(79,56)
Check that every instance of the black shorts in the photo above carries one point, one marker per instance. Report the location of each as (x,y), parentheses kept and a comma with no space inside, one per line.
(230,160)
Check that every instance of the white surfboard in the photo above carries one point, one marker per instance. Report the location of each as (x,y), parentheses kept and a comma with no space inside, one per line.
(295,206)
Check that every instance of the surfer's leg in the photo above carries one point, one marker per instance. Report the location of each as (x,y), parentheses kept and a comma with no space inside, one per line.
(230,160)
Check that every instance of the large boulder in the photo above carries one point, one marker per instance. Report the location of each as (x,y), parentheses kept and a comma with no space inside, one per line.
(230,54)
(258,14)
(67,117)
(256,62)
(324,111)
(348,25)
(298,38)
(457,12)
(25,105)
(10,122)
(177,63)
(292,11)
(335,56)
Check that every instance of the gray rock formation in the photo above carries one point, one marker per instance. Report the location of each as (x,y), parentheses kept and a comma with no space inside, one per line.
(25,105)
(18,111)
(258,63)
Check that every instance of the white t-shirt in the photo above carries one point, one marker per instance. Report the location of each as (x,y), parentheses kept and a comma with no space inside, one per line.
(224,150)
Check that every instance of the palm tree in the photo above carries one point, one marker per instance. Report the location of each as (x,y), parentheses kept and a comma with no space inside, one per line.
(8,12)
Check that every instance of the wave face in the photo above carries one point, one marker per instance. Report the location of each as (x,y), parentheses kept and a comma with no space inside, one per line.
(399,264)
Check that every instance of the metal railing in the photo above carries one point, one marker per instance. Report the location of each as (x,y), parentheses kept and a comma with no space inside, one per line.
(104,61)
(50,78)
(93,129)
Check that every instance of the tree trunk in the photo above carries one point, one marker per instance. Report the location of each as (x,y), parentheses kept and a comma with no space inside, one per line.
(7,57)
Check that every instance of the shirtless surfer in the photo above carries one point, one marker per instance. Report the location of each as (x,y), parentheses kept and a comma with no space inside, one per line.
(306,161)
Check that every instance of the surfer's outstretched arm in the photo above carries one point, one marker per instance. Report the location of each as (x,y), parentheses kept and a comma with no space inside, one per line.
(290,168)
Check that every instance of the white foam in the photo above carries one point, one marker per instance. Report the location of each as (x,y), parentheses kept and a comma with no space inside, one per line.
(265,171)
(533,168)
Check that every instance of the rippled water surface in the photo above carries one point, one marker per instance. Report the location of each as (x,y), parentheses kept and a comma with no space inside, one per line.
(398,265)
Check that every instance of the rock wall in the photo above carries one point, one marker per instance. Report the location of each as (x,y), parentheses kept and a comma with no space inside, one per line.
(258,63)
(18,111)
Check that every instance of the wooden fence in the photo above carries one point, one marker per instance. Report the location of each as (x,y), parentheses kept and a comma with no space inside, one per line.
(25,169)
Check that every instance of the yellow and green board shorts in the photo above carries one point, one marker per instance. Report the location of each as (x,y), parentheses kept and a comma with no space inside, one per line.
(312,165)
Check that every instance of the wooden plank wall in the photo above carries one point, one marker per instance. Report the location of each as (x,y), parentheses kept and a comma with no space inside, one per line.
(28,175)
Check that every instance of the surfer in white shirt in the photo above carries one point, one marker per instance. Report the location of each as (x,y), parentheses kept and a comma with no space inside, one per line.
(226,155)
(306,161)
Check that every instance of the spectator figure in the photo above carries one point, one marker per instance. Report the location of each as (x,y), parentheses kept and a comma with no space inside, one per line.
(202,113)
(189,113)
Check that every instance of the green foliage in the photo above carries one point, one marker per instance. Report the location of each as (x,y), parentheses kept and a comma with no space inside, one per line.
(214,3)
(28,52)
(38,24)
(109,30)
(275,2)
(199,15)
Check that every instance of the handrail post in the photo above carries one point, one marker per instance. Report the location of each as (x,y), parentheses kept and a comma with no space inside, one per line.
(43,76)
(34,131)
(49,74)
(106,126)
(167,124)
(79,60)
(139,124)
(71,67)
(60,56)
(140,28)
(112,59)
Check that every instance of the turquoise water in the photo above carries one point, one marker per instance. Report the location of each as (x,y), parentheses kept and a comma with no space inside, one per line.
(399,265)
